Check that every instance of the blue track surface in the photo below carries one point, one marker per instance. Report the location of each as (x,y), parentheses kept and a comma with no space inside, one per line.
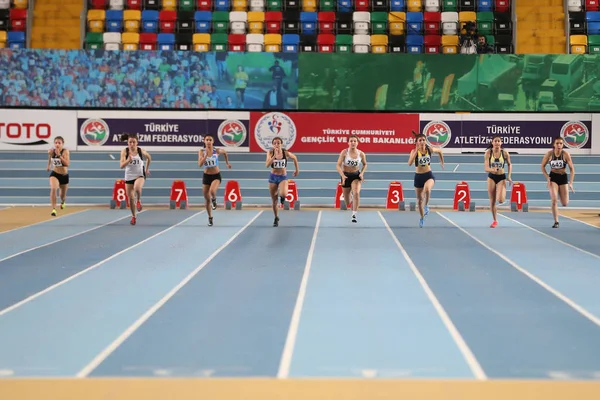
(90,295)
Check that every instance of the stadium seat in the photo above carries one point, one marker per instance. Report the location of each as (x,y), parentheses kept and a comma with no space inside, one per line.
(131,19)
(237,42)
(578,44)
(148,41)
(114,20)
(3,39)
(591,5)
(18,19)
(16,40)
(273,42)
(256,22)
(4,4)
(168,21)
(169,5)
(361,43)
(326,43)
(255,42)
(130,40)
(21,4)
(112,40)
(116,5)
(379,44)
(594,44)
(4,19)
(414,44)
(432,6)
(359,26)
(134,5)
(449,44)
(432,44)
(218,42)
(290,43)
(165,41)
(95,20)
(238,20)
(397,23)
(201,42)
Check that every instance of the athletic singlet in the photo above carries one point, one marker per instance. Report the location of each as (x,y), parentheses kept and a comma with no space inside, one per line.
(280,164)
(212,161)
(351,162)
(558,162)
(423,160)
(55,159)
(497,162)
(135,168)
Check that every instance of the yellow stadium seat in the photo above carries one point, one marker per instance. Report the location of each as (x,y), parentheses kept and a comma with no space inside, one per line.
(414,6)
(256,21)
(2,39)
(309,5)
(239,5)
(130,40)
(578,40)
(169,5)
(132,19)
(578,44)
(272,42)
(449,44)
(201,42)
(95,20)
(379,44)
(397,23)
(21,4)
(466,16)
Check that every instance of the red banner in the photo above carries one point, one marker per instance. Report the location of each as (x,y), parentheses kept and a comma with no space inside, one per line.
(304,132)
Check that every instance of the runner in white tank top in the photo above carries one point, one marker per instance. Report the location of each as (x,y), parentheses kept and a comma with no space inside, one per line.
(136,162)
(351,175)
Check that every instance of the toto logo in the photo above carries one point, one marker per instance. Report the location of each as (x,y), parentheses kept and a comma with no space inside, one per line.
(25,133)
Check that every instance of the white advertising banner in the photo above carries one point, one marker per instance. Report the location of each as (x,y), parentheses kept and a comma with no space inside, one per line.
(35,130)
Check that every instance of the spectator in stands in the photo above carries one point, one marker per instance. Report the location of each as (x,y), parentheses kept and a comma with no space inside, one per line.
(482,45)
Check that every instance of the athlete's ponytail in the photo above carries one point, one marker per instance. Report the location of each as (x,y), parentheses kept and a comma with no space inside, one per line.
(124,137)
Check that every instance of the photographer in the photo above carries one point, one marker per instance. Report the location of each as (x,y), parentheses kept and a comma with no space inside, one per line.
(469,39)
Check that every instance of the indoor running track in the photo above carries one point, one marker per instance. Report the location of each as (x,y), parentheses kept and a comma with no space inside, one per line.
(88,295)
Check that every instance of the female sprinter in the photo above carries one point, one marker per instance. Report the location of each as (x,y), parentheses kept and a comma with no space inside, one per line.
(558,180)
(495,159)
(352,178)
(209,159)
(277,159)
(424,179)
(136,163)
(59,159)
